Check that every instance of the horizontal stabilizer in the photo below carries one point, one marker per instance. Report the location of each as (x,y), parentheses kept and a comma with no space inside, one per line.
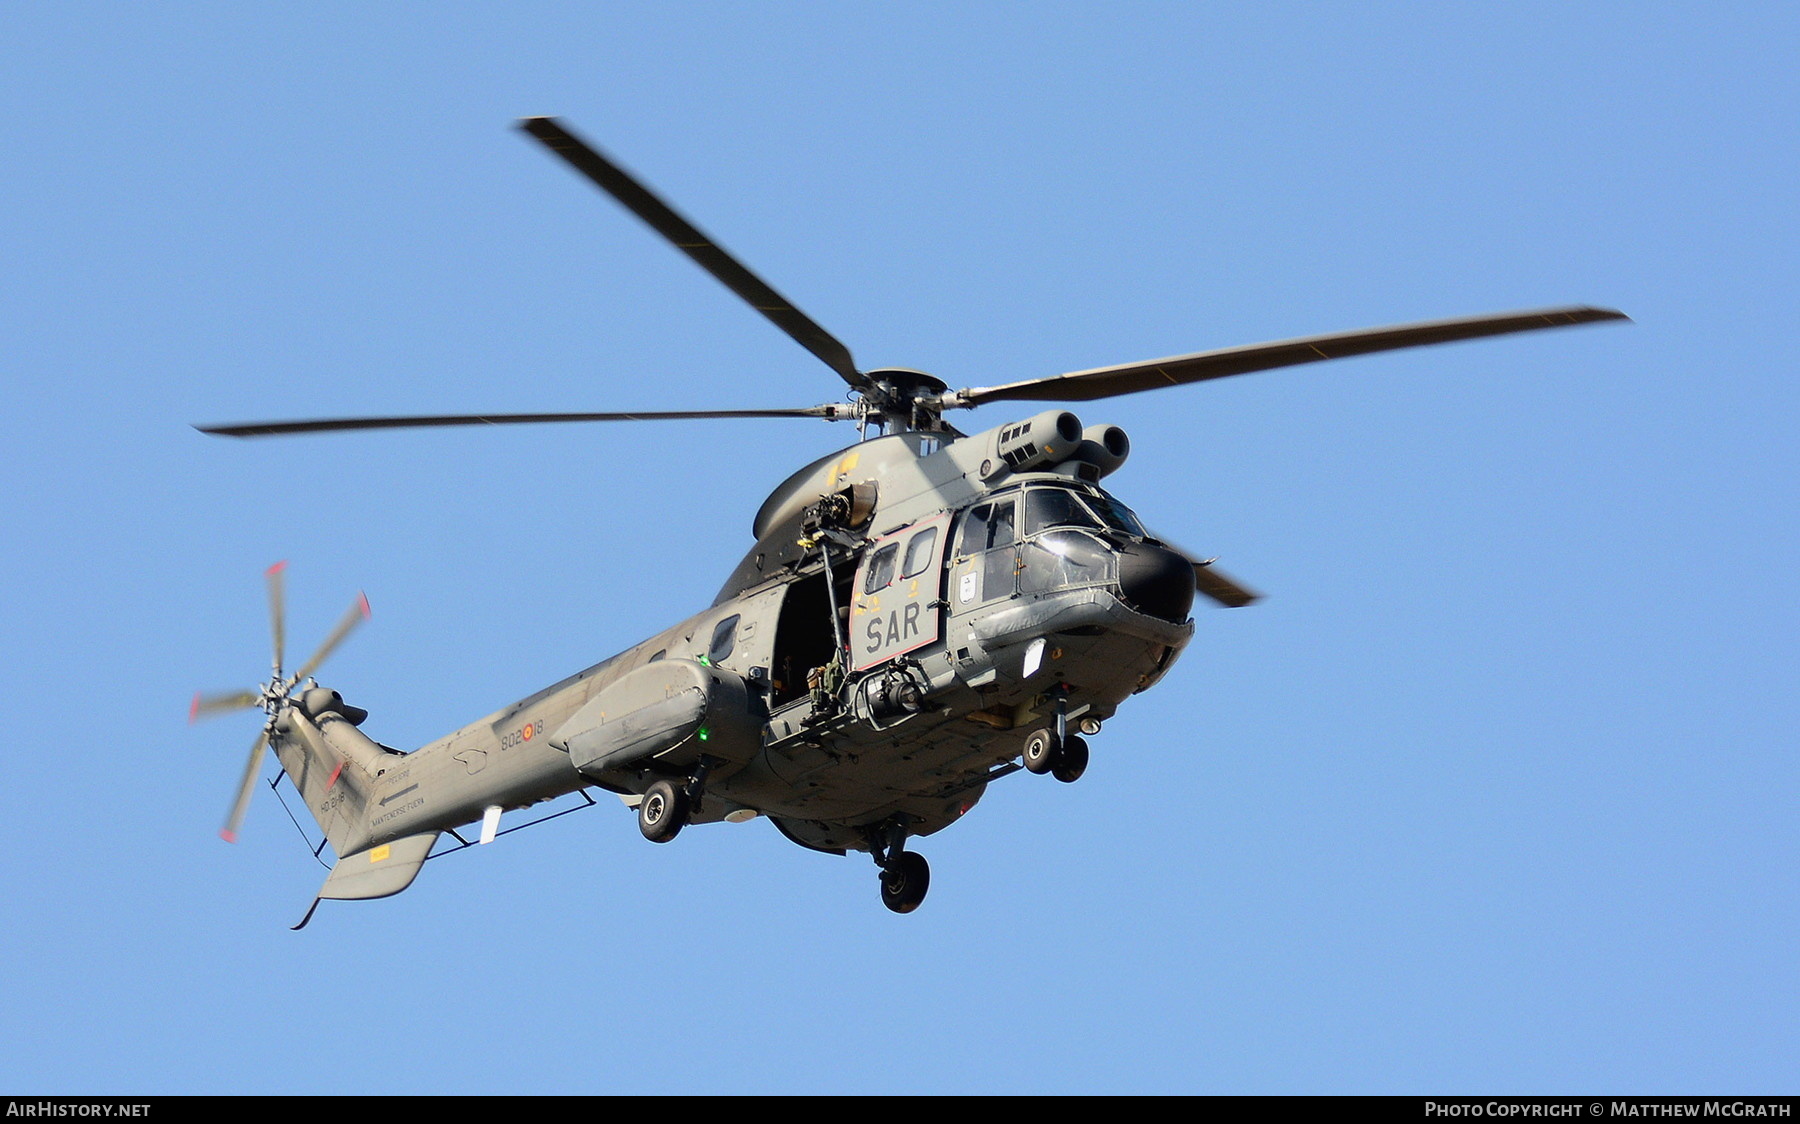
(379,871)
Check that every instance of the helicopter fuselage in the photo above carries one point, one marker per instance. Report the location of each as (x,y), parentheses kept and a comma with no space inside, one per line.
(914,607)
(921,614)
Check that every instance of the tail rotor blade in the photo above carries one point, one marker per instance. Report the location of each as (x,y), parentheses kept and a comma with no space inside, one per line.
(358,613)
(205,706)
(252,771)
(275,576)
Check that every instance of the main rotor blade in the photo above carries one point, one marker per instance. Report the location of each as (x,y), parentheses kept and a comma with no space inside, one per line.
(1129,378)
(687,238)
(324,425)
(1209,581)
(205,706)
(274,576)
(358,613)
(1213,583)
(247,788)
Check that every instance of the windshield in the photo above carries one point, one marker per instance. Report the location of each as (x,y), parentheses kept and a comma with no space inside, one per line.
(1055,507)
(1064,558)
(1116,515)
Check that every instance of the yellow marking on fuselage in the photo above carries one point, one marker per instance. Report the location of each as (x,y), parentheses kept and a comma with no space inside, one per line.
(844,468)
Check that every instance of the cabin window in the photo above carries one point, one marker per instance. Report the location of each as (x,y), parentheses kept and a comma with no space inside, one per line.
(919,552)
(724,639)
(881,569)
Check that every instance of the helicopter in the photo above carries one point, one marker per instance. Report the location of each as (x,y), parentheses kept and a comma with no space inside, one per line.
(922,614)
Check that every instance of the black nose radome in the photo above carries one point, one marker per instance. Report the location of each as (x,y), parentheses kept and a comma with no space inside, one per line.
(1157,582)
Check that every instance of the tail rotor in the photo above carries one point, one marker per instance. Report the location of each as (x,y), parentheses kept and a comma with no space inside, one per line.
(276,695)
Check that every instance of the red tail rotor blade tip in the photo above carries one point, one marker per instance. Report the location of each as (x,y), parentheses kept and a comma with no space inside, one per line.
(362,599)
(276,568)
(228,835)
(194,709)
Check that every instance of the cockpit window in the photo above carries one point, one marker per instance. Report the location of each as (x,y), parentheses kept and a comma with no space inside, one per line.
(974,532)
(987,527)
(1117,515)
(1000,525)
(1055,507)
(881,568)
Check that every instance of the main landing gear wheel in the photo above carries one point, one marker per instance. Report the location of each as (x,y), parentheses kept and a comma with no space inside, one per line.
(1072,761)
(904,881)
(663,811)
(1041,751)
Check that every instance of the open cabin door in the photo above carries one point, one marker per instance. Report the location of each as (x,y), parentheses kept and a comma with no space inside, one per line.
(806,634)
(899,601)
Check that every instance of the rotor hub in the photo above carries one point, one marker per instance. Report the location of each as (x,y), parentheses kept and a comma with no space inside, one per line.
(276,694)
(906,398)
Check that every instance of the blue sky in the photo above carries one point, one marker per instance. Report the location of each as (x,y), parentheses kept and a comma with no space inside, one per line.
(1493,793)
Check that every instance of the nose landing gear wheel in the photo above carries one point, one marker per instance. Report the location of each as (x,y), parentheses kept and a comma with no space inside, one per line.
(662,811)
(1072,761)
(1041,751)
(904,881)
(1063,758)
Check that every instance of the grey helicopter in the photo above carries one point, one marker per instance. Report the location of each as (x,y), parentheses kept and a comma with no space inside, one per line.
(921,614)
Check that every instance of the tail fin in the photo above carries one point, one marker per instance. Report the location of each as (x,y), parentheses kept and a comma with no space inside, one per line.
(334,765)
